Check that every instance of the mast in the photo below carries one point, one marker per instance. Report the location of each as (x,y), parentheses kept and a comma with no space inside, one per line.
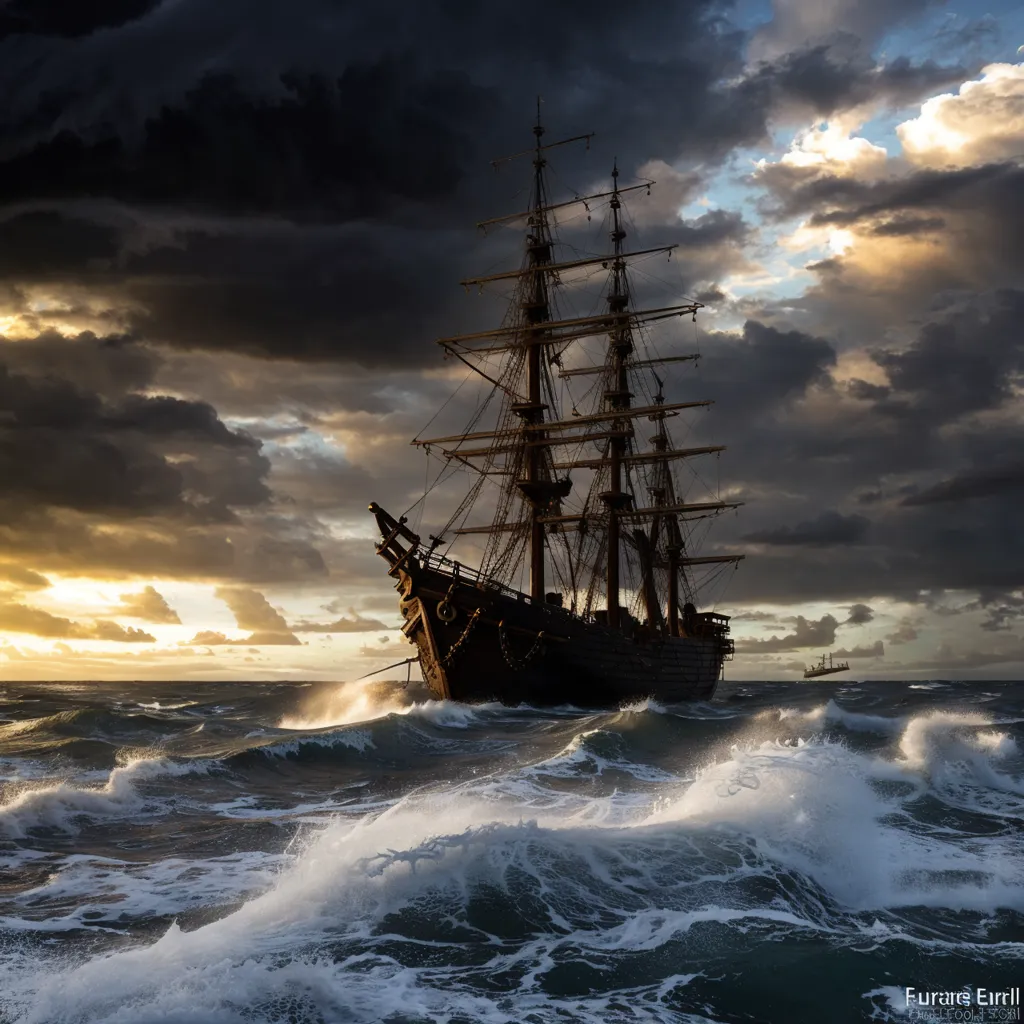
(662,493)
(536,309)
(617,396)
(519,449)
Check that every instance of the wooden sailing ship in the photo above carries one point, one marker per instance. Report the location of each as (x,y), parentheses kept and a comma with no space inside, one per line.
(823,668)
(610,613)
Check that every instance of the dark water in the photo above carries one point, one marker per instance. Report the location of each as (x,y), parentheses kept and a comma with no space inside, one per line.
(796,852)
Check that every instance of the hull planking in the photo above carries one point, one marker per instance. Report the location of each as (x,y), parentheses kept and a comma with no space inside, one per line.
(479,644)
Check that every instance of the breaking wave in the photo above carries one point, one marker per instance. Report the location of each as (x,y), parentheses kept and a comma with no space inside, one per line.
(438,863)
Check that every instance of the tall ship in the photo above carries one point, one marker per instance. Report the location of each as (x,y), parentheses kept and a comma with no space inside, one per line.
(584,576)
(826,668)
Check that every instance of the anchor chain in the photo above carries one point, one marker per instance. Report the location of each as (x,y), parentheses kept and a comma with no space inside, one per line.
(454,649)
(446,610)
(514,663)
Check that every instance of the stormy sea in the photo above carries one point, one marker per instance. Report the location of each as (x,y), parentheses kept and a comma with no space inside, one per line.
(274,852)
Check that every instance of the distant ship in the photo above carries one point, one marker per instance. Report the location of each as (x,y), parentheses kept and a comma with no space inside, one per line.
(823,669)
(610,614)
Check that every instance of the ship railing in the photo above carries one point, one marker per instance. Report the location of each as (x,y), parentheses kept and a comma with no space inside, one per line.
(467,573)
(475,577)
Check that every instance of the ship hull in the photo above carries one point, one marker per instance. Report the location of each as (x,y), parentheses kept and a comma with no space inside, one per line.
(477,644)
(815,673)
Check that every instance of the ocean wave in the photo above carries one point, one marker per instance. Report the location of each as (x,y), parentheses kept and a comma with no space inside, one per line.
(308,744)
(961,753)
(534,897)
(62,805)
(818,807)
(594,752)
(107,893)
(834,714)
(360,703)
(443,862)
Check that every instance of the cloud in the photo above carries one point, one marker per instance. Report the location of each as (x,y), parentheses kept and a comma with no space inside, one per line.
(794,22)
(20,618)
(859,615)
(808,633)
(150,605)
(23,17)
(876,650)
(982,123)
(829,528)
(102,470)
(22,578)
(263,254)
(254,612)
(980,483)
(105,630)
(354,623)
(210,638)
(965,363)
(905,633)
(64,446)
(970,660)
(825,149)
(1002,610)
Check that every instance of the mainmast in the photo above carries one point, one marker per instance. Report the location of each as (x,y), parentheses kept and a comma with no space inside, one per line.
(536,310)
(620,345)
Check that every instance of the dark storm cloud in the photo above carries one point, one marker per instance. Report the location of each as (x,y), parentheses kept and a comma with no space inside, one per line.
(797,435)
(908,226)
(827,529)
(67,17)
(761,369)
(1003,611)
(301,183)
(820,79)
(336,149)
(100,472)
(111,366)
(332,103)
(808,633)
(332,114)
(973,484)
(712,228)
(993,187)
(966,362)
(47,244)
(859,615)
(65,447)
(369,295)
(843,200)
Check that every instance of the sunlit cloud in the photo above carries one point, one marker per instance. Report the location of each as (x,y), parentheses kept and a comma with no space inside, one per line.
(982,122)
